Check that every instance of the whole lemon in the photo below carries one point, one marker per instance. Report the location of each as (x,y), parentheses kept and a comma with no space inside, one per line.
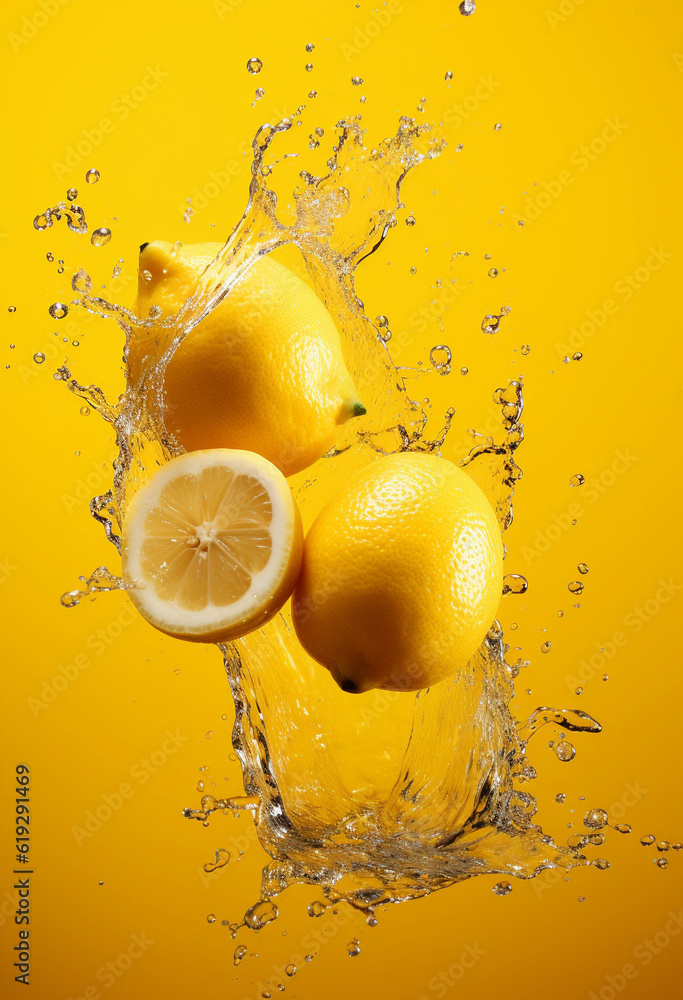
(402,575)
(263,372)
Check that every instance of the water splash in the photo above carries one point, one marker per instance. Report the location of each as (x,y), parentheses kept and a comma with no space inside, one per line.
(385,796)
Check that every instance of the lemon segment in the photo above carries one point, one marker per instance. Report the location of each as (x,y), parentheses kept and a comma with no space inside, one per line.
(212,545)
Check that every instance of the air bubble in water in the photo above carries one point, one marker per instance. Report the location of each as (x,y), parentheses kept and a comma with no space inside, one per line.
(564,751)
(467,7)
(39,357)
(577,480)
(575,587)
(81,282)
(513,583)
(58,310)
(502,888)
(92,176)
(254,65)
(72,194)
(100,237)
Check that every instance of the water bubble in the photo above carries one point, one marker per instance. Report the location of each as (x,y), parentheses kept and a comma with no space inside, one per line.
(575,587)
(240,952)
(595,819)
(309,46)
(410,220)
(42,221)
(582,568)
(72,194)
(601,864)
(290,970)
(258,94)
(676,846)
(84,411)
(467,7)
(577,480)
(661,862)
(254,65)
(39,357)
(545,646)
(448,75)
(497,127)
(153,313)
(313,93)
(211,919)
(316,909)
(353,948)
(564,751)
(49,256)
(357,80)
(440,358)
(502,888)
(58,310)
(521,222)
(260,914)
(371,920)
(578,691)
(308,67)
(100,237)
(560,797)
(622,828)
(459,148)
(92,176)
(81,282)
(577,356)
(648,840)
(490,324)
(493,272)
(413,270)
(116,272)
(464,371)
(513,583)
(525,349)
(662,845)
(187,215)
(11,309)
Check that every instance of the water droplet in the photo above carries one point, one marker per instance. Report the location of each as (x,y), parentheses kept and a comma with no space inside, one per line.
(545,646)
(240,952)
(357,80)
(564,751)
(490,324)
(622,828)
(58,310)
(353,948)
(187,215)
(440,358)
(676,846)
(49,256)
(467,7)
(290,970)
(577,356)
(560,797)
(648,840)
(493,272)
(601,864)
(81,282)
(662,845)
(260,914)
(313,93)
(448,75)
(661,863)
(39,357)
(521,222)
(211,919)
(254,65)
(11,309)
(316,909)
(459,148)
(497,127)
(309,46)
(502,888)
(582,568)
(464,371)
(413,270)
(595,819)
(577,480)
(309,67)
(100,237)
(582,899)
(92,176)
(410,220)
(84,411)
(42,221)
(575,587)
(578,690)
(513,583)
(258,94)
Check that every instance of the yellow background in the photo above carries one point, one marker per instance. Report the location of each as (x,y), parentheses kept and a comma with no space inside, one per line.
(558,72)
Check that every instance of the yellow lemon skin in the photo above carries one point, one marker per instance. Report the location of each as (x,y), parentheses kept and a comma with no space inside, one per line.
(263,372)
(402,575)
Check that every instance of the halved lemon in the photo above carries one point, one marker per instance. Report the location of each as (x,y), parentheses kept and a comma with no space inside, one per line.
(212,545)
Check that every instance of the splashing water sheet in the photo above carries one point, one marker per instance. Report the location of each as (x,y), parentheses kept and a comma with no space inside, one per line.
(384,796)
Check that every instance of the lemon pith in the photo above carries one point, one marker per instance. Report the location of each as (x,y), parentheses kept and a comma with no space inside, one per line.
(212,545)
(263,371)
(401,575)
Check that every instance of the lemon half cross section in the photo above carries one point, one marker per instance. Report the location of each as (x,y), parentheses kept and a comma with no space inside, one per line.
(212,545)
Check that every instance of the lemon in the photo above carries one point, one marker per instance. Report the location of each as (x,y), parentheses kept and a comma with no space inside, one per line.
(401,577)
(212,545)
(263,371)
